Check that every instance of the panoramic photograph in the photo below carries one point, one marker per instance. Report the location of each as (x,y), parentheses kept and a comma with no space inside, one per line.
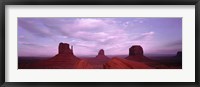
(99,42)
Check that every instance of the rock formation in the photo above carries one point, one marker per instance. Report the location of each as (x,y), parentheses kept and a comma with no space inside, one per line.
(63,49)
(101,55)
(93,63)
(65,53)
(135,50)
(178,57)
(119,63)
(64,59)
(136,53)
(101,52)
(179,54)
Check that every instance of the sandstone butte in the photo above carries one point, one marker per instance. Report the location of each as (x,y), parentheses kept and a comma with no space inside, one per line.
(136,53)
(101,55)
(65,59)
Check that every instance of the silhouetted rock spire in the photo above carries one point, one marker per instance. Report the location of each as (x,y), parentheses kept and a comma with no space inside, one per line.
(101,54)
(64,49)
(65,53)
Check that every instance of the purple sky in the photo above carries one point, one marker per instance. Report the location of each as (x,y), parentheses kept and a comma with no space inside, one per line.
(41,36)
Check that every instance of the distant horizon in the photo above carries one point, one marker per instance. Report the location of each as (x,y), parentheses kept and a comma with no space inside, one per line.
(41,36)
(156,55)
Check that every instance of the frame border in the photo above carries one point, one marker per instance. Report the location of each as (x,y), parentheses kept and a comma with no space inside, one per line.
(98,2)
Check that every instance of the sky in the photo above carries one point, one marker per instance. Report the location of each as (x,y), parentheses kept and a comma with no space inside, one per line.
(40,37)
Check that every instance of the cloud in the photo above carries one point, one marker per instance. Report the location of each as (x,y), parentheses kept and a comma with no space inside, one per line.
(145,36)
(88,23)
(87,35)
(174,43)
(31,44)
(29,49)
(21,37)
(34,27)
(89,29)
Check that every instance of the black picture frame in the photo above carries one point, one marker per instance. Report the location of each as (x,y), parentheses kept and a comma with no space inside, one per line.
(98,2)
